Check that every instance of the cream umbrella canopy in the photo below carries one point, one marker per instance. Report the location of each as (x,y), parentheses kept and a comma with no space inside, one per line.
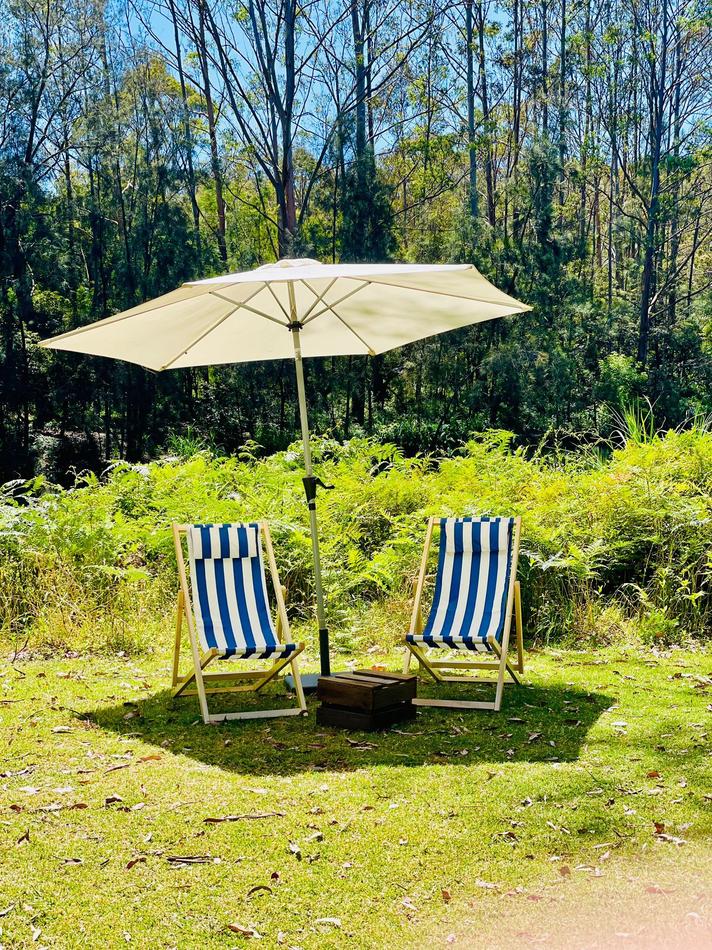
(291,310)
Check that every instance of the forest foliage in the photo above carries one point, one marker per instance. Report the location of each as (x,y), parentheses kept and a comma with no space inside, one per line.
(563,147)
(616,542)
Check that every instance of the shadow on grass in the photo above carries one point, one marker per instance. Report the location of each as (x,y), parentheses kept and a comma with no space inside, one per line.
(537,724)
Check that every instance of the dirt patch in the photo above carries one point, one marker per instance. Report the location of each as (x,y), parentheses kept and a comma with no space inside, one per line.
(663,901)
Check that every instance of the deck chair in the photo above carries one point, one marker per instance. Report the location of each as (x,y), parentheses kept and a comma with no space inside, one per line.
(228,615)
(476,594)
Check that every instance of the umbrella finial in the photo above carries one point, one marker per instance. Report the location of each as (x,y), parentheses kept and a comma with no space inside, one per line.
(291,262)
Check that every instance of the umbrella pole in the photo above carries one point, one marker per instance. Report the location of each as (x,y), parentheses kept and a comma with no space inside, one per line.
(310,488)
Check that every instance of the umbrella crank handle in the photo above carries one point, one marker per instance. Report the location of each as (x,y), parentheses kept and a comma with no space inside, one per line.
(311,483)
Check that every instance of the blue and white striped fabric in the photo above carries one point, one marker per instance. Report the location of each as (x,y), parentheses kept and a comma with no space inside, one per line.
(472,583)
(230,593)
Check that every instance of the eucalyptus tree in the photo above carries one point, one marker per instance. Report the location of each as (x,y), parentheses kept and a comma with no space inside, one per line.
(48,54)
(658,150)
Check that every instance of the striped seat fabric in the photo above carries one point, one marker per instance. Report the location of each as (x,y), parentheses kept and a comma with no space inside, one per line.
(230,593)
(472,583)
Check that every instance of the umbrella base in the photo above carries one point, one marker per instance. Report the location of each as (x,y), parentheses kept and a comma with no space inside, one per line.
(309,682)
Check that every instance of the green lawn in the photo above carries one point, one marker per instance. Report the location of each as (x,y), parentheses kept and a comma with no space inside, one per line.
(473,829)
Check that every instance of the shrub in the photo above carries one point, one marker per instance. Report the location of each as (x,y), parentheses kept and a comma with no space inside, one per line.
(607,538)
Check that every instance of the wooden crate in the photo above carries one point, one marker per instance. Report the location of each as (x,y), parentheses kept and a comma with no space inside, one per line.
(365,699)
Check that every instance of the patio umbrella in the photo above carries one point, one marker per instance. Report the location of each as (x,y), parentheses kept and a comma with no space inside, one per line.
(295,309)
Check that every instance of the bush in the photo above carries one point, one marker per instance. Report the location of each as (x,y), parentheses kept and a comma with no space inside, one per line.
(607,539)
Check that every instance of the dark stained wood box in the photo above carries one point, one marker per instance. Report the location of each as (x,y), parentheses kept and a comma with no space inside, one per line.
(365,699)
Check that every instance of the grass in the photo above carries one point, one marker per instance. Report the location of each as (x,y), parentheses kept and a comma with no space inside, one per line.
(414,837)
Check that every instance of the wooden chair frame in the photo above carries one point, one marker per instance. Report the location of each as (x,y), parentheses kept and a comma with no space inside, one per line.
(256,679)
(513,608)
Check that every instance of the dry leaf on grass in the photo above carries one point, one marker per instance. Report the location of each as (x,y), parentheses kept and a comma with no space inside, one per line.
(257,889)
(58,806)
(671,839)
(251,816)
(244,931)
(180,859)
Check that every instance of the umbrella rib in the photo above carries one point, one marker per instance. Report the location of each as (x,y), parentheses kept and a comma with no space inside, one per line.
(278,302)
(319,297)
(365,283)
(445,293)
(244,306)
(114,318)
(371,351)
(210,329)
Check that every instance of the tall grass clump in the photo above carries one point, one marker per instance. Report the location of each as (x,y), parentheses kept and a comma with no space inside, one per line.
(612,542)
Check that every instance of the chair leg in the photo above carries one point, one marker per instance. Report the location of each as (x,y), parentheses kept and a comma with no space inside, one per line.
(417,628)
(280,625)
(299,710)
(424,662)
(275,669)
(183,682)
(203,692)
(298,688)
(179,630)
(503,667)
(200,686)
(518,626)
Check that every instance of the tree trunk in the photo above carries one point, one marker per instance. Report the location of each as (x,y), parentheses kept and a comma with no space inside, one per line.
(545,68)
(484,98)
(212,135)
(188,132)
(562,109)
(357,28)
(517,15)
(657,86)
(471,141)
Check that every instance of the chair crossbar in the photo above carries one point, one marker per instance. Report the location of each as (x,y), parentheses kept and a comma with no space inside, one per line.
(454,704)
(256,714)
(220,689)
(463,665)
(235,675)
